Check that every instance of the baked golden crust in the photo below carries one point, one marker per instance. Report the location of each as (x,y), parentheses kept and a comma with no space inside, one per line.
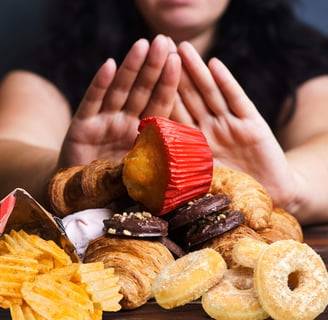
(101,177)
(64,190)
(136,262)
(282,226)
(225,242)
(247,195)
(83,187)
(145,171)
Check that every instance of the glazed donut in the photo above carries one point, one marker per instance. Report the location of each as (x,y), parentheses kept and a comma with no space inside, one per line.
(188,277)
(275,265)
(234,297)
(247,250)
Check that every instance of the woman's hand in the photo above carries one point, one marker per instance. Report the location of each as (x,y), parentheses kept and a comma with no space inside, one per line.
(105,125)
(212,100)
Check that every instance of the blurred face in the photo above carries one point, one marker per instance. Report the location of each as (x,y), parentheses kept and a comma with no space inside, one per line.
(181,18)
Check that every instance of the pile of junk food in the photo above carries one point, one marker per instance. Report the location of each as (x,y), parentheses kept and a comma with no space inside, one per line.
(164,224)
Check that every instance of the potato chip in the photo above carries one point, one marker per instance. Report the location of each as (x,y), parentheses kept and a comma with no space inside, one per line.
(39,281)
(12,245)
(67,272)
(50,248)
(56,298)
(14,270)
(98,312)
(5,303)
(20,237)
(101,284)
(16,312)
(24,312)
(3,247)
(46,264)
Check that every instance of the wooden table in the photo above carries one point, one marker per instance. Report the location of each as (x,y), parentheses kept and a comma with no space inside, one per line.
(315,236)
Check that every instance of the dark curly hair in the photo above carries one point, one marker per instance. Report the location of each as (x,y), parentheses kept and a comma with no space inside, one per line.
(265,46)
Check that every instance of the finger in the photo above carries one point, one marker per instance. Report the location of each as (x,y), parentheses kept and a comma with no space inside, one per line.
(172,45)
(236,98)
(125,77)
(180,113)
(93,98)
(191,97)
(148,76)
(161,102)
(202,77)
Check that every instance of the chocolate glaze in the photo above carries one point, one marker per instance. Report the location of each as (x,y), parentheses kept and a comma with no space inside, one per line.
(211,226)
(136,224)
(175,249)
(198,209)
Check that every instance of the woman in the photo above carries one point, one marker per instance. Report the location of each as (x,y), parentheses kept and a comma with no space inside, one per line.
(279,63)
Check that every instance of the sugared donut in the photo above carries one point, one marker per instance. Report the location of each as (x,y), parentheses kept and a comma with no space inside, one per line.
(278,262)
(188,277)
(234,297)
(247,250)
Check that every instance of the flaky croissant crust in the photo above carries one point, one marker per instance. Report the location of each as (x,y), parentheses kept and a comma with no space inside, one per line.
(135,261)
(247,195)
(83,187)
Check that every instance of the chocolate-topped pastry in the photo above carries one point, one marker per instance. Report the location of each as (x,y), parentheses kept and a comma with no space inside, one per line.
(175,249)
(136,224)
(211,226)
(198,208)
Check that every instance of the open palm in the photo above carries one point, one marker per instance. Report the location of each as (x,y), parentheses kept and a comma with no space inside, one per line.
(212,100)
(105,125)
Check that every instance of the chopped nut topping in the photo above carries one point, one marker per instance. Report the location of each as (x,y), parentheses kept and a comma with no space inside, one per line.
(111,231)
(209,195)
(222,216)
(147,214)
(127,232)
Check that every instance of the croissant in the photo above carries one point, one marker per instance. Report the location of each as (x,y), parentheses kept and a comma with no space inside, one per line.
(135,261)
(102,180)
(225,242)
(282,225)
(65,192)
(247,195)
(82,187)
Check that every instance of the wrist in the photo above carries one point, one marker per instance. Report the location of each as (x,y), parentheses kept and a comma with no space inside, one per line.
(298,200)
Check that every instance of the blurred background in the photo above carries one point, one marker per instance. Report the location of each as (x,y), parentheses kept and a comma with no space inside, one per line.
(22,25)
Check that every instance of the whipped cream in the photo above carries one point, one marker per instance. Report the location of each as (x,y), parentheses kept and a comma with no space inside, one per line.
(83,226)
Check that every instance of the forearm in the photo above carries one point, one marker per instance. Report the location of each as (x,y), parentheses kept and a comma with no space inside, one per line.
(26,166)
(310,164)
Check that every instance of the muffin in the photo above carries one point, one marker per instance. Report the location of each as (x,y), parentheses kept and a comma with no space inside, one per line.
(169,165)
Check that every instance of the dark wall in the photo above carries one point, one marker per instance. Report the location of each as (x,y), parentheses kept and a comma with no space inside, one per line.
(22,25)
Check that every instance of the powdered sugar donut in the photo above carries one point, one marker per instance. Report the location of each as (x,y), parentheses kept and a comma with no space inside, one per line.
(247,250)
(278,262)
(234,297)
(188,277)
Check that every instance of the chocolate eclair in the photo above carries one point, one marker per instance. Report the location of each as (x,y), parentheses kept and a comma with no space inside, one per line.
(212,226)
(136,224)
(198,209)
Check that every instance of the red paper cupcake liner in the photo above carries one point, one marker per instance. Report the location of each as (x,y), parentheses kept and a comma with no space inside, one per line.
(190,162)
